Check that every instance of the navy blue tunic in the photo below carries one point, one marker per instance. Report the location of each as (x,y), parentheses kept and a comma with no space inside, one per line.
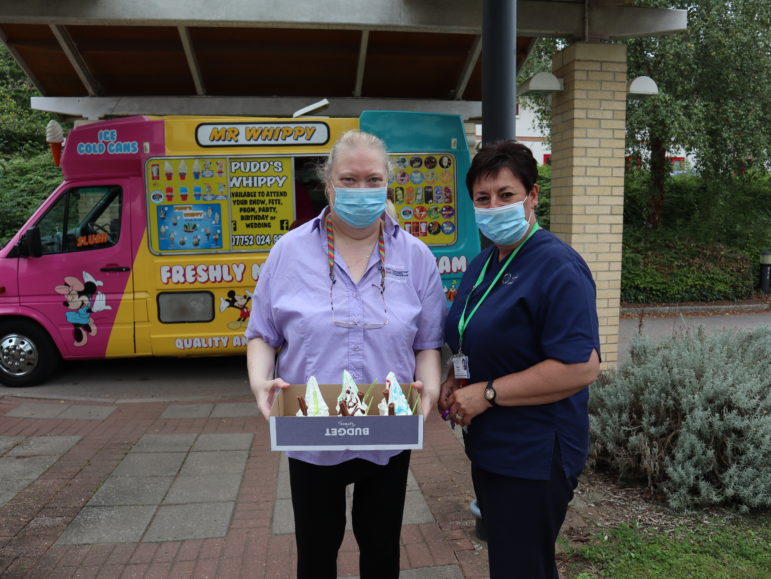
(542,307)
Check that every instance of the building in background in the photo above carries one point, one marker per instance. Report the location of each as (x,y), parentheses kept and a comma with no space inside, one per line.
(528,133)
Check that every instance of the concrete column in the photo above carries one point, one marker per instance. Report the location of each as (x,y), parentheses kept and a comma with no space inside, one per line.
(587,196)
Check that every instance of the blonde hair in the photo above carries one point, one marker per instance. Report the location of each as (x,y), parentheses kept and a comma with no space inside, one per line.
(355,139)
(391,210)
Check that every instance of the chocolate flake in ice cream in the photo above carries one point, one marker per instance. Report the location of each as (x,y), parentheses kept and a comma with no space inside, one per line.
(351,401)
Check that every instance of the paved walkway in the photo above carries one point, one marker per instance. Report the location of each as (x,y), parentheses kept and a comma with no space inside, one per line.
(101,478)
(163,489)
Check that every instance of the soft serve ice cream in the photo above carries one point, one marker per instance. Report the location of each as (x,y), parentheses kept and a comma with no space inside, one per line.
(394,402)
(312,404)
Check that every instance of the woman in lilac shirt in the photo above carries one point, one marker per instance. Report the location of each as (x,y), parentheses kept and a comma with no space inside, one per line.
(348,290)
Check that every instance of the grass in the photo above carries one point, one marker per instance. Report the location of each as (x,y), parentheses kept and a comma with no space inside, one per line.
(713,551)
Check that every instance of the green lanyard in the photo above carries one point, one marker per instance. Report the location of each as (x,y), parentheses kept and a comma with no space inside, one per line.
(463,321)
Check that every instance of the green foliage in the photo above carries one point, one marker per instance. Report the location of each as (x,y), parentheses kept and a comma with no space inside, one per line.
(738,216)
(539,60)
(24,184)
(718,551)
(707,248)
(714,86)
(714,98)
(660,268)
(543,209)
(691,415)
(22,130)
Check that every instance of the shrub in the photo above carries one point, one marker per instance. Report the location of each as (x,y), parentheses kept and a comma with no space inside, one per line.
(710,240)
(543,209)
(659,268)
(690,414)
(24,184)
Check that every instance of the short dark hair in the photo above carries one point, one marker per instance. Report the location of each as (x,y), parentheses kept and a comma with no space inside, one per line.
(503,155)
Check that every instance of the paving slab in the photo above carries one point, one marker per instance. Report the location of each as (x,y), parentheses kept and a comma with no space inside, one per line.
(443,572)
(132,491)
(195,521)
(8,442)
(216,462)
(187,411)
(416,510)
(119,524)
(37,410)
(204,489)
(25,467)
(164,443)
(9,487)
(7,494)
(44,446)
(150,464)
(209,442)
(83,412)
(283,517)
(234,410)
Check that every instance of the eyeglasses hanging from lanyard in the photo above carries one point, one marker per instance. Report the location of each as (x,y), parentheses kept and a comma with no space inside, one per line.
(460,360)
(332,279)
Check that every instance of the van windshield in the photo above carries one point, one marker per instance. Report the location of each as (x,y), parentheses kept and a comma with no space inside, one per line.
(82,218)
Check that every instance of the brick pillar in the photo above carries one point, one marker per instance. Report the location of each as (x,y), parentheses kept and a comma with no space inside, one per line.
(587,196)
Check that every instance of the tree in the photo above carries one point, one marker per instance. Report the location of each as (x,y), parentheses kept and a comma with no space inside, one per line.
(22,130)
(714,95)
(714,98)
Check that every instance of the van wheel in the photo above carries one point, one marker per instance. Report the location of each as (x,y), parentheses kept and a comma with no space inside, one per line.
(28,356)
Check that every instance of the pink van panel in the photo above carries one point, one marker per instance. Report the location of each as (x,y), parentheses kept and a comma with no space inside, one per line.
(113,148)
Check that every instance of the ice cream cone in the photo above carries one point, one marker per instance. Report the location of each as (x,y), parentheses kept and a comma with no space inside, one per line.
(56,152)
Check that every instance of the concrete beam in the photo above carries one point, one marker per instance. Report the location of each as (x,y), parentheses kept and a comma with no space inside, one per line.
(76,60)
(535,17)
(100,107)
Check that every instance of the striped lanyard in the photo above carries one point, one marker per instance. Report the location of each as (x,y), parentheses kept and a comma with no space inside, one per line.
(331,252)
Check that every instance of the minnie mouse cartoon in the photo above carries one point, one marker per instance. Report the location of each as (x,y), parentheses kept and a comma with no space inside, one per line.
(83,298)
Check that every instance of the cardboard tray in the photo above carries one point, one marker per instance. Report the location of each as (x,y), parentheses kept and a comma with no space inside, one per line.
(371,432)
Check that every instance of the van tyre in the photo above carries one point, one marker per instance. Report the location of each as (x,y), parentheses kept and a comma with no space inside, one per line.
(28,356)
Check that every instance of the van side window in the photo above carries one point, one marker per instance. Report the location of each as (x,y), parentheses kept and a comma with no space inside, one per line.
(83,218)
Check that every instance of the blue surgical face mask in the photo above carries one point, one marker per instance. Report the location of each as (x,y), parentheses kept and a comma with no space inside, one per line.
(504,225)
(360,208)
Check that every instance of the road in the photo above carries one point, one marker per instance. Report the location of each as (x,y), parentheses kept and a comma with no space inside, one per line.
(153,379)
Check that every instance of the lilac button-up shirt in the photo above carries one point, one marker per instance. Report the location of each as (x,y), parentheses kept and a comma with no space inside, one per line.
(291,309)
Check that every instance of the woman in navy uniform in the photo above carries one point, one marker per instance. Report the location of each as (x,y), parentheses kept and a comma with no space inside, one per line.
(524,333)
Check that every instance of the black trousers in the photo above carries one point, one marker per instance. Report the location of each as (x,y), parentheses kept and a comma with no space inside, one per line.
(522,518)
(318,499)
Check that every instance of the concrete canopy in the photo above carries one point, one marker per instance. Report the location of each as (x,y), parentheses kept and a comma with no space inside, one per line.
(245,57)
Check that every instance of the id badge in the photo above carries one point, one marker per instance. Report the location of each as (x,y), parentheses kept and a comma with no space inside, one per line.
(460,365)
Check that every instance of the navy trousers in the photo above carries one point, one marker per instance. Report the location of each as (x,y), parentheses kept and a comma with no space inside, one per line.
(522,518)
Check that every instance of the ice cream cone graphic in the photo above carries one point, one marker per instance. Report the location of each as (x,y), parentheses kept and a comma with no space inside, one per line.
(55,139)
(56,152)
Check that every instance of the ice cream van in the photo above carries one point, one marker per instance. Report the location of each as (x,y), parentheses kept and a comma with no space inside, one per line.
(152,244)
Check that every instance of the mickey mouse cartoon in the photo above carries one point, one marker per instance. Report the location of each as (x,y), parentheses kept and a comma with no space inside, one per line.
(83,298)
(238,302)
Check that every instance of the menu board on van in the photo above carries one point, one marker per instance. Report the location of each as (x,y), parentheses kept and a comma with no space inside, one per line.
(212,204)
(423,191)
